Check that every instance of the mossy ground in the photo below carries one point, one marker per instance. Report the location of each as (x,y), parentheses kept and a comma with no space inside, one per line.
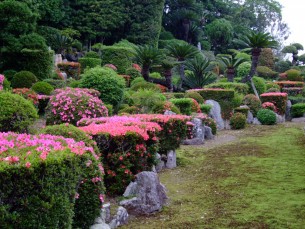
(257,181)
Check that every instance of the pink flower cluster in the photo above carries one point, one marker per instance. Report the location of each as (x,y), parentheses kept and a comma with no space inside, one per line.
(274,94)
(71,105)
(1,81)
(270,106)
(24,149)
(161,118)
(112,66)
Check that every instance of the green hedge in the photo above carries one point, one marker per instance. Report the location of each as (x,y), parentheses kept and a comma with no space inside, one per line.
(293,91)
(253,103)
(87,62)
(298,110)
(266,117)
(23,79)
(278,99)
(238,87)
(194,95)
(266,73)
(43,88)
(205,108)
(184,105)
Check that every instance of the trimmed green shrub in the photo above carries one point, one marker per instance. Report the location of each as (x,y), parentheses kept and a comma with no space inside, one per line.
(129,110)
(155,75)
(260,85)
(176,95)
(74,84)
(6,85)
(161,106)
(253,103)
(293,91)
(282,65)
(296,99)
(42,88)
(16,113)
(298,110)
(294,75)
(56,83)
(205,108)
(137,80)
(184,105)
(243,69)
(242,55)
(278,99)
(266,117)
(194,95)
(92,54)
(23,79)
(243,109)
(266,73)
(107,82)
(145,85)
(238,121)
(272,85)
(9,74)
(238,87)
(266,58)
(133,73)
(51,174)
(72,69)
(121,57)
(87,62)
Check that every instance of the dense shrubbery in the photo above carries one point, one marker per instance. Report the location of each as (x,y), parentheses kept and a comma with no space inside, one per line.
(259,84)
(243,69)
(194,95)
(27,94)
(253,103)
(107,82)
(270,106)
(298,110)
(43,88)
(162,106)
(238,121)
(133,73)
(16,113)
(70,105)
(23,79)
(58,176)
(266,117)
(238,87)
(88,62)
(144,85)
(266,73)
(278,99)
(294,75)
(205,108)
(184,105)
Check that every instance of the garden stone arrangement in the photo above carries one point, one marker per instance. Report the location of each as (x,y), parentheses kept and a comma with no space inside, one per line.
(96,108)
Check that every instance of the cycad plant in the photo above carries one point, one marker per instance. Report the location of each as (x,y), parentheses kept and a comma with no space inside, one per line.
(230,63)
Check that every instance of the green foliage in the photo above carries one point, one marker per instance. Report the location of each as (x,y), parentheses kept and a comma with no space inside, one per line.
(184,105)
(155,75)
(92,54)
(16,113)
(6,85)
(9,74)
(144,85)
(23,79)
(242,55)
(166,35)
(137,80)
(296,99)
(194,95)
(266,117)
(216,94)
(72,69)
(282,65)
(56,83)
(266,58)
(110,109)
(298,110)
(294,75)
(89,62)
(243,69)
(270,85)
(238,121)
(133,73)
(74,83)
(238,87)
(129,110)
(266,73)
(42,88)
(253,103)
(162,106)
(205,108)
(107,82)
(243,109)
(259,83)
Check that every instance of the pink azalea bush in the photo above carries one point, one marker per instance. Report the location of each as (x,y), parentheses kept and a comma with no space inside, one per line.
(270,106)
(72,104)
(279,99)
(47,169)
(1,81)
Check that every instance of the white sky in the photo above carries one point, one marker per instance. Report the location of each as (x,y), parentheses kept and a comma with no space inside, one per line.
(293,13)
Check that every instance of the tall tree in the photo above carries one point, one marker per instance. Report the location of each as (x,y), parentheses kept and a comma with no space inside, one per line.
(294,50)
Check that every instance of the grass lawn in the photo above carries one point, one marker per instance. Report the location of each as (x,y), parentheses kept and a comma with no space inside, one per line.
(257,181)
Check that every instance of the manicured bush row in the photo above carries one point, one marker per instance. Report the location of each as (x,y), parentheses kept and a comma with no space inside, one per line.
(290,84)
(298,110)
(45,180)
(238,87)
(278,99)
(88,62)
(72,69)
(293,91)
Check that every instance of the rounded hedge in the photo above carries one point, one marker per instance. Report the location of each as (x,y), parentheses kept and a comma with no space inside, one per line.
(243,69)
(253,103)
(23,79)
(43,88)
(107,82)
(9,74)
(145,85)
(16,113)
(266,117)
(194,95)
(238,121)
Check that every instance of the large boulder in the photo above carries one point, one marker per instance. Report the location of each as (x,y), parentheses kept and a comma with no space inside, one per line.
(288,115)
(250,117)
(215,113)
(198,133)
(171,161)
(149,195)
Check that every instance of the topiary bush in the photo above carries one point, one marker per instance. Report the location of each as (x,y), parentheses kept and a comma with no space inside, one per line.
(28,94)
(184,105)
(238,121)
(92,54)
(60,177)
(298,110)
(270,85)
(294,75)
(270,106)
(243,69)
(87,63)
(266,117)
(16,113)
(238,87)
(70,105)
(266,58)
(23,79)
(260,85)
(278,99)
(145,85)
(162,106)
(194,95)
(43,88)
(253,103)
(205,108)
(266,73)
(107,82)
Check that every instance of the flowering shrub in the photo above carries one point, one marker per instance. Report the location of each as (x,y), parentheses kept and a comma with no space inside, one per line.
(48,172)
(137,67)
(1,82)
(71,105)
(253,103)
(127,79)
(162,106)
(238,121)
(195,106)
(270,106)
(112,66)
(185,105)
(27,94)
(128,146)
(278,99)
(293,91)
(189,130)
(162,88)
(290,84)
(72,69)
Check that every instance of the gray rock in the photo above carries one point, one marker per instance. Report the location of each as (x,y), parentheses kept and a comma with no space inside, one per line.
(100,226)
(288,115)
(298,120)
(198,133)
(250,117)
(131,189)
(227,124)
(120,218)
(105,213)
(160,163)
(208,135)
(150,197)
(280,118)
(167,112)
(193,141)
(256,122)
(215,113)
(171,160)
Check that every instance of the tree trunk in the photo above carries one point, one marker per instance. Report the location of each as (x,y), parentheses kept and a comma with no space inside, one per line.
(168,79)
(230,74)
(182,76)
(294,59)
(145,72)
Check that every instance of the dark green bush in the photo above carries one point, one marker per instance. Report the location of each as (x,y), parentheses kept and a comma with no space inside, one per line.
(238,87)
(296,99)
(137,80)
(74,84)
(9,74)
(243,109)
(144,85)
(16,113)
(194,95)
(253,103)
(23,79)
(205,108)
(87,63)
(129,110)
(266,73)
(260,85)
(298,110)
(56,83)
(238,121)
(107,82)
(110,109)
(272,85)
(6,85)
(184,105)
(133,73)
(92,54)
(282,66)
(266,117)
(43,88)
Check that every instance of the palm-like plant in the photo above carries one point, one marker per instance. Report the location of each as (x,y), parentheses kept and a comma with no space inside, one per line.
(61,43)
(181,52)
(147,56)
(294,50)
(201,72)
(230,63)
